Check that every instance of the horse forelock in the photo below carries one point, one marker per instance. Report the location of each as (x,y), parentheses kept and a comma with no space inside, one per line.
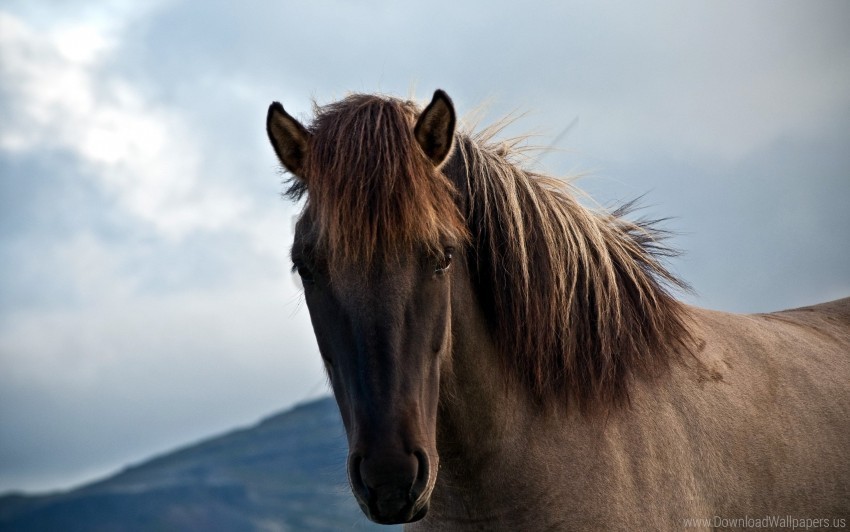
(371,190)
(578,299)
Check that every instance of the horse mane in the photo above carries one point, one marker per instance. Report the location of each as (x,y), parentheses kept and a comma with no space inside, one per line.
(577,299)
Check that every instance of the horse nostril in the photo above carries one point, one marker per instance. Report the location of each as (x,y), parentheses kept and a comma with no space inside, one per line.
(423,473)
(355,476)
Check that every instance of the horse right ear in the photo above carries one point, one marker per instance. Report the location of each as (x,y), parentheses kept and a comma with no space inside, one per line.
(290,140)
(435,128)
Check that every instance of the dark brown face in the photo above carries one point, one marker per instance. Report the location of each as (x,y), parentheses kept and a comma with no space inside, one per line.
(380,305)
(382,336)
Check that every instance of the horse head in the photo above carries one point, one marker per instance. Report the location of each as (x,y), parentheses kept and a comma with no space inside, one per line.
(374,249)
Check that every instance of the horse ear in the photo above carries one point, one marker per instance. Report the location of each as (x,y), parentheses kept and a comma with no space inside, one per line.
(290,140)
(435,128)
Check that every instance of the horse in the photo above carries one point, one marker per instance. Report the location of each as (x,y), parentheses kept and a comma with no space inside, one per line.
(506,358)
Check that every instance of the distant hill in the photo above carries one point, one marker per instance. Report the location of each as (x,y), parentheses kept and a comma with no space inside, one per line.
(286,473)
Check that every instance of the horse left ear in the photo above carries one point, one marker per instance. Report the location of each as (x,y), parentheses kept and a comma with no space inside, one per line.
(290,139)
(435,128)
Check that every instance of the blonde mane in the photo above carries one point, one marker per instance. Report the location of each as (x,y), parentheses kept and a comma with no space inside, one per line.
(578,298)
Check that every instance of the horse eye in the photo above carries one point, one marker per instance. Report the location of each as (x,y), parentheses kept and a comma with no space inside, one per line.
(305,273)
(445,262)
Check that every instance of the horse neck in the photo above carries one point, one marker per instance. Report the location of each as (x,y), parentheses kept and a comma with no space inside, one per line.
(484,425)
(475,395)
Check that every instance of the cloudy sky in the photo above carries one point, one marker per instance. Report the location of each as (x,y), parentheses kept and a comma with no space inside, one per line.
(145,294)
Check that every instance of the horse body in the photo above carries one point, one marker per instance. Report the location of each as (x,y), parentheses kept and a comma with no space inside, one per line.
(544,378)
(755,424)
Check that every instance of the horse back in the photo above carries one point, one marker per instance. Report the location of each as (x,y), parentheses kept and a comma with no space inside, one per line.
(773,396)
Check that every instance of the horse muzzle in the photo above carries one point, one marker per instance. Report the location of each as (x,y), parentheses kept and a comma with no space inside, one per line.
(391,488)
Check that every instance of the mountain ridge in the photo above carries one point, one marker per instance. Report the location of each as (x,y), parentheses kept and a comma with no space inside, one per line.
(286,472)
